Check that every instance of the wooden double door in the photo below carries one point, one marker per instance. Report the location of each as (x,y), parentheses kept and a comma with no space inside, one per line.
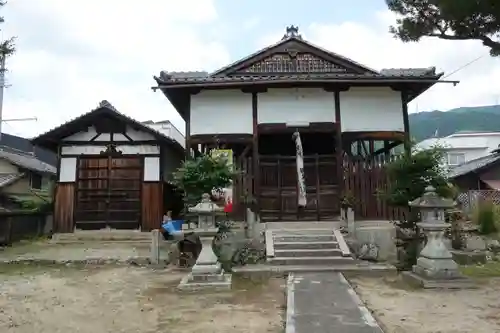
(278,196)
(108,192)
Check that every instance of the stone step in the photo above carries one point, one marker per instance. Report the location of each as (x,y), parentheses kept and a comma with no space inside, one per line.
(303,238)
(287,232)
(310,260)
(306,245)
(102,236)
(308,253)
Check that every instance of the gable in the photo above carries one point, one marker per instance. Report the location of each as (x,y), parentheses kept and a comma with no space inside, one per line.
(120,134)
(293,55)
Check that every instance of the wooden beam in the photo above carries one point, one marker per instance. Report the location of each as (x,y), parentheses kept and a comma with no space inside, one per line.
(255,153)
(338,143)
(187,112)
(406,122)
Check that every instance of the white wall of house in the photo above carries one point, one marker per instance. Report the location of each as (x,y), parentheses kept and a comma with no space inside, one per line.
(230,111)
(371,109)
(221,112)
(463,147)
(168,129)
(295,106)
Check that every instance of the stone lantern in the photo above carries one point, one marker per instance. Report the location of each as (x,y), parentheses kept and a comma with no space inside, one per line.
(207,272)
(435,265)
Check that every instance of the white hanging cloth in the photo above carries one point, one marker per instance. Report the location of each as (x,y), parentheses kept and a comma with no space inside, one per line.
(302,200)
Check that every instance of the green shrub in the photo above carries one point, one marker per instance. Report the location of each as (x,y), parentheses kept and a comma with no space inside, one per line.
(486,217)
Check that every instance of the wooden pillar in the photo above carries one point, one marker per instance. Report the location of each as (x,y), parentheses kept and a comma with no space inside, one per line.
(338,143)
(255,153)
(406,122)
(187,113)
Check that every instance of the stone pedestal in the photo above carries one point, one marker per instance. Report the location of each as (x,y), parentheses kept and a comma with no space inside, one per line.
(207,273)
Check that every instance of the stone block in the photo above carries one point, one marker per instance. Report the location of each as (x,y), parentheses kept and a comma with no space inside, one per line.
(380,234)
(475,243)
(468,257)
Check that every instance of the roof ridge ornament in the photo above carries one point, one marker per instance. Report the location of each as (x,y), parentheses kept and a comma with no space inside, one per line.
(292,31)
(105,104)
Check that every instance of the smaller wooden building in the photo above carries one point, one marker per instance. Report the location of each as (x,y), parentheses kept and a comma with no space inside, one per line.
(112,172)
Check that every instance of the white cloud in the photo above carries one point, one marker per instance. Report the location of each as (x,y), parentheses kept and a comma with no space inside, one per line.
(74,54)
(372,45)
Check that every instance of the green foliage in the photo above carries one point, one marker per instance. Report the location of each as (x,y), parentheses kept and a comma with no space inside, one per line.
(486,217)
(200,175)
(408,177)
(411,174)
(448,19)
(7,47)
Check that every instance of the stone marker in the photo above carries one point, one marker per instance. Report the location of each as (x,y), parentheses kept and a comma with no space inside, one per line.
(435,266)
(207,273)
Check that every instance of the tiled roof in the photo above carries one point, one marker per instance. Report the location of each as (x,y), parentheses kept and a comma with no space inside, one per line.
(473,165)
(167,77)
(9,178)
(28,162)
(104,107)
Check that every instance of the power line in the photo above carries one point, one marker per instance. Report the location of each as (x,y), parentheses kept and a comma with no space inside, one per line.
(466,65)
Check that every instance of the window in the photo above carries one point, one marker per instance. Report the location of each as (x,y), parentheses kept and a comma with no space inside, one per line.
(456,158)
(35,181)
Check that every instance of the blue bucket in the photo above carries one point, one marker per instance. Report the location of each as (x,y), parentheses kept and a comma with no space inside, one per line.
(177,224)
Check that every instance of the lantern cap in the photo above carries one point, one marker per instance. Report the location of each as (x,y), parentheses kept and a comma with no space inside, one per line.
(205,206)
(430,199)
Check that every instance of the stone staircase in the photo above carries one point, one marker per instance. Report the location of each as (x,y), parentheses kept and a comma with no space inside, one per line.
(307,247)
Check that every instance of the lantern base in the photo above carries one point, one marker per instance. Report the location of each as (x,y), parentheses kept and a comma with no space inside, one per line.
(423,282)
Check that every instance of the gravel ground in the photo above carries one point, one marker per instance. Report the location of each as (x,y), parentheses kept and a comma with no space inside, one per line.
(403,310)
(130,299)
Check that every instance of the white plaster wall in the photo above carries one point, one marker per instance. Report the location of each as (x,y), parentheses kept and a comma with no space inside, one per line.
(221,112)
(82,136)
(125,149)
(67,171)
(151,169)
(295,106)
(91,133)
(371,109)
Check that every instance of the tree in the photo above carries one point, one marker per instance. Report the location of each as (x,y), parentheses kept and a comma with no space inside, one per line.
(202,174)
(448,19)
(7,47)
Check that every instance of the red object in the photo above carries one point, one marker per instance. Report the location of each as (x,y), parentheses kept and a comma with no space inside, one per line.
(228,208)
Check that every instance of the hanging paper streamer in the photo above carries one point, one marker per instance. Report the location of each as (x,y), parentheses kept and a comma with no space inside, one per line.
(302,199)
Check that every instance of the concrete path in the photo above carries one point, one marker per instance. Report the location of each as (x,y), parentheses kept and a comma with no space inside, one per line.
(325,303)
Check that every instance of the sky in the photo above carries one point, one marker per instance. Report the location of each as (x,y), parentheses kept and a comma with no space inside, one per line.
(73,54)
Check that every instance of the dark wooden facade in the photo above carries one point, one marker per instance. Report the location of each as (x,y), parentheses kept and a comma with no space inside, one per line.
(270,179)
(114,178)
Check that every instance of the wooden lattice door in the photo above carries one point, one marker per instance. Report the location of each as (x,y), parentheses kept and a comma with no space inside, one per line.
(109,192)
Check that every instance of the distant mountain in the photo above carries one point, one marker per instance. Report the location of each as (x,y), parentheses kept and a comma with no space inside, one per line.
(424,125)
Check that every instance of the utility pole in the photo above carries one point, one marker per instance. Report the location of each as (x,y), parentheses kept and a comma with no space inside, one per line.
(2,88)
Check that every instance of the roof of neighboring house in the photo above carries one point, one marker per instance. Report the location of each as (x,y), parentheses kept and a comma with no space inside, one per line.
(20,144)
(28,162)
(463,140)
(474,165)
(9,178)
(52,138)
